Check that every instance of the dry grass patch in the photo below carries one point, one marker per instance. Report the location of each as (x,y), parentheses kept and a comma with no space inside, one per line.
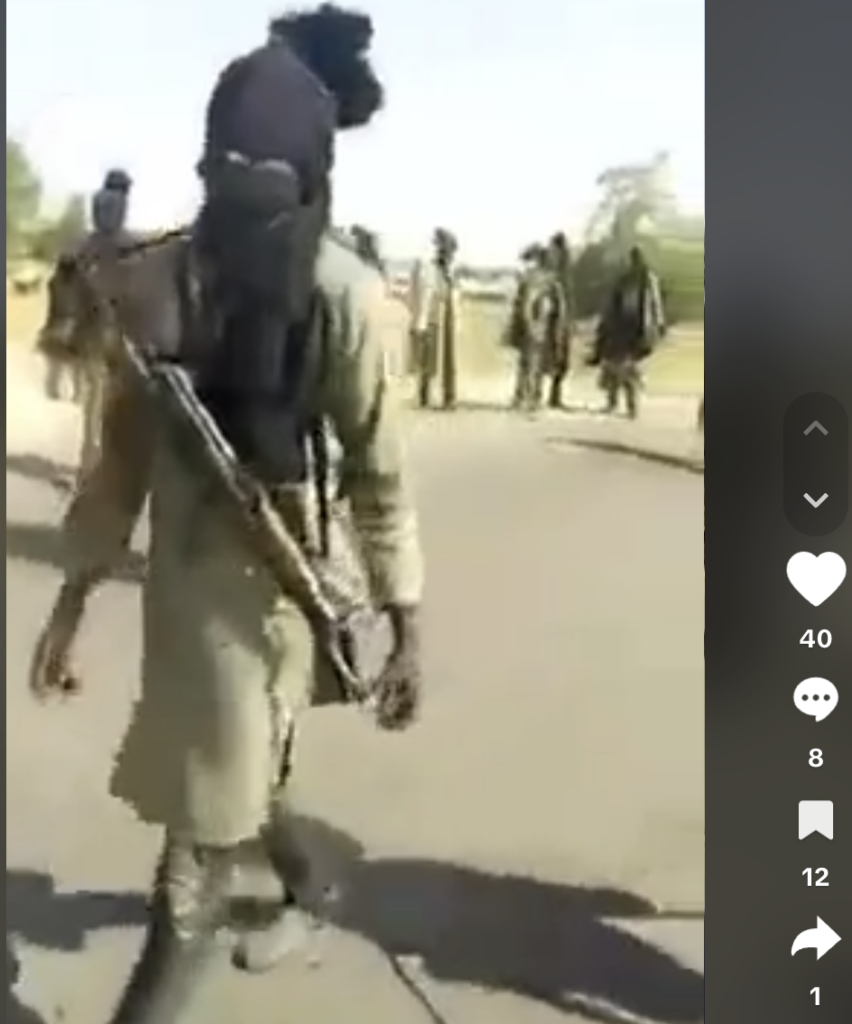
(677,368)
(24,316)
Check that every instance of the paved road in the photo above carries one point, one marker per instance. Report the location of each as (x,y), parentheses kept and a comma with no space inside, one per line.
(536,846)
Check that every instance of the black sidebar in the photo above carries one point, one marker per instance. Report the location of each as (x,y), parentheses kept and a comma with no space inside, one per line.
(778,525)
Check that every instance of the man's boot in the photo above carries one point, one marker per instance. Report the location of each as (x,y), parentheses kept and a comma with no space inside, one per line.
(298,912)
(632,389)
(554,397)
(519,393)
(449,396)
(189,906)
(425,368)
(424,391)
(53,379)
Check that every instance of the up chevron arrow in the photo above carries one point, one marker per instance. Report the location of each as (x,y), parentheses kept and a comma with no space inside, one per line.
(816,425)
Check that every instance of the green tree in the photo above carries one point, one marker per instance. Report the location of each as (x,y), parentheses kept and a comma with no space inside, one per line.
(58,234)
(636,199)
(638,207)
(593,272)
(680,265)
(23,198)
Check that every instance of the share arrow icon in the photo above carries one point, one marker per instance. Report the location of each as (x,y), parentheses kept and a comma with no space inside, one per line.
(822,939)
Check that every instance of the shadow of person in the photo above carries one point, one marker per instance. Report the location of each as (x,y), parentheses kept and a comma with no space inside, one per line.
(41,544)
(42,470)
(508,406)
(38,915)
(692,463)
(41,916)
(552,943)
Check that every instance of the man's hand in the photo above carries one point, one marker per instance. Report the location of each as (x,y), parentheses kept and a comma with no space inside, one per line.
(396,692)
(51,672)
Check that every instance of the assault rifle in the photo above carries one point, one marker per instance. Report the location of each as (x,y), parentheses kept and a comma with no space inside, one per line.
(198,437)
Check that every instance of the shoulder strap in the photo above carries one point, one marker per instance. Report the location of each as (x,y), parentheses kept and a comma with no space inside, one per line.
(318,425)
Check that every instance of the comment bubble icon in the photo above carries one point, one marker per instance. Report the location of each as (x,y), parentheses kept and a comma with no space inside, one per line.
(816,697)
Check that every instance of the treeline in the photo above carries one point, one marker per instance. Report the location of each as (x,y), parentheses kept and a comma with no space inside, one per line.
(679,264)
(636,206)
(35,233)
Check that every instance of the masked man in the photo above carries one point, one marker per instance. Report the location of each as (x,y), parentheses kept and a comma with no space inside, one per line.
(434,332)
(80,353)
(292,336)
(632,323)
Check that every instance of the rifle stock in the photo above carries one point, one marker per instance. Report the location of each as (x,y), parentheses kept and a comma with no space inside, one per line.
(197,435)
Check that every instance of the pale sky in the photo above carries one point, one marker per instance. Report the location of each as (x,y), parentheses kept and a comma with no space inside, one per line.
(474,88)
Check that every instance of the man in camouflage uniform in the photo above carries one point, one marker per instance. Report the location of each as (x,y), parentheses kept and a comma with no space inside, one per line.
(62,371)
(229,660)
(536,328)
(517,332)
(81,353)
(435,327)
(559,357)
(632,323)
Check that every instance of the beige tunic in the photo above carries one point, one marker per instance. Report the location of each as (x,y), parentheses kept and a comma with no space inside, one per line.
(228,659)
(436,303)
(434,294)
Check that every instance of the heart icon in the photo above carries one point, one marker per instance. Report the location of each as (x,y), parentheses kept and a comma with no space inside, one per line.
(816,577)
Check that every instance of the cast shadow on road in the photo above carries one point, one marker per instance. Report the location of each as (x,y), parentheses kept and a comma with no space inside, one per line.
(42,470)
(674,460)
(37,914)
(41,544)
(555,944)
(492,406)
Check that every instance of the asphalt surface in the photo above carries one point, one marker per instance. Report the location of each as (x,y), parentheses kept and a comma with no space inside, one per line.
(532,852)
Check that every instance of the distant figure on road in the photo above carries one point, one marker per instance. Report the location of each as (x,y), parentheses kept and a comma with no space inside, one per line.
(559,357)
(79,351)
(435,326)
(537,329)
(414,305)
(630,326)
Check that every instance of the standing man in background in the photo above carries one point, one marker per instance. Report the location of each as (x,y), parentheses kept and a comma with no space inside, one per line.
(632,323)
(109,212)
(414,306)
(536,328)
(562,332)
(80,354)
(435,324)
